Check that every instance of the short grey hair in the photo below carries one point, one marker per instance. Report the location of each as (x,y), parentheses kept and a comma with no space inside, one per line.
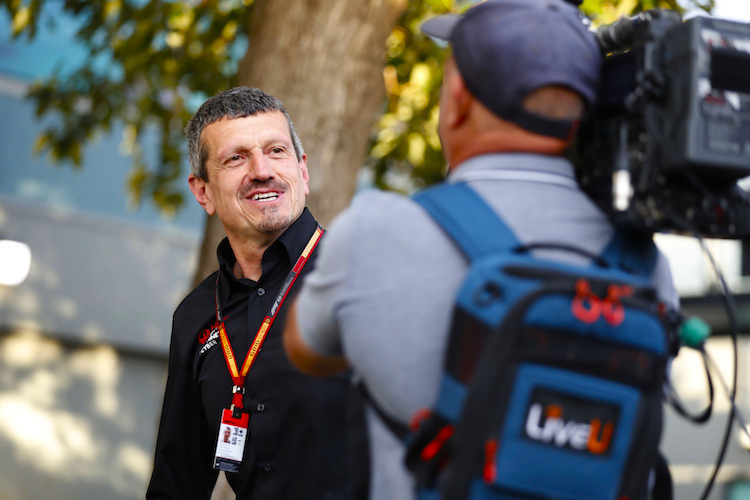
(237,102)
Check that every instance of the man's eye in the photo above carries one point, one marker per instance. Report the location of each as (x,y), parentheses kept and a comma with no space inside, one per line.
(277,150)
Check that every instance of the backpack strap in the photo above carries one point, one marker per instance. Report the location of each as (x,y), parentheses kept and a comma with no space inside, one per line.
(453,205)
(397,428)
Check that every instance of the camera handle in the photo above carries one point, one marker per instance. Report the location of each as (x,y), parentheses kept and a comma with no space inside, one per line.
(629,31)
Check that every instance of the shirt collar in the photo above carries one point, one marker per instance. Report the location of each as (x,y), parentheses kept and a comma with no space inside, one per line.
(557,165)
(288,246)
(295,238)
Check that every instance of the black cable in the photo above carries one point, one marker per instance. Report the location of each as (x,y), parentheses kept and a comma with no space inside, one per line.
(738,414)
(679,407)
(729,305)
(732,317)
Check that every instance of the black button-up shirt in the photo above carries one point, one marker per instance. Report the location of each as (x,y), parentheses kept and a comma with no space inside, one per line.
(296,442)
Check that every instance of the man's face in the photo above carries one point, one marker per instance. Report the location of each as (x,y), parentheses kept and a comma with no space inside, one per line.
(255,184)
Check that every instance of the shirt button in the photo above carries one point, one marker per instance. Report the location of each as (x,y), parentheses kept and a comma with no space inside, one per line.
(261,291)
(267,467)
(260,407)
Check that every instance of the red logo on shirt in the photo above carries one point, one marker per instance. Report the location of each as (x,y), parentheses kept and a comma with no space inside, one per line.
(203,336)
(206,334)
(209,338)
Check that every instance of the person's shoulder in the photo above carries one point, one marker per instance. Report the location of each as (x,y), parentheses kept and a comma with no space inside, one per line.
(371,197)
(194,313)
(375,206)
(201,294)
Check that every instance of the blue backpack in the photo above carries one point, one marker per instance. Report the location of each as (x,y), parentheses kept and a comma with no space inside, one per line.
(553,375)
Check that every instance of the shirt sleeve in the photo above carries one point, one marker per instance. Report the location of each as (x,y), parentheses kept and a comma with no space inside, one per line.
(182,468)
(661,279)
(321,295)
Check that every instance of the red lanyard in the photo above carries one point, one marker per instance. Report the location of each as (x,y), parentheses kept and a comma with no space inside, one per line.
(238,376)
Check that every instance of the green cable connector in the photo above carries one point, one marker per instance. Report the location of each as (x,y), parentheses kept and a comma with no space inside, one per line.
(694,332)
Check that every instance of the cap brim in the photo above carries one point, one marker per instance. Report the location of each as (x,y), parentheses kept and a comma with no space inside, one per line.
(440,27)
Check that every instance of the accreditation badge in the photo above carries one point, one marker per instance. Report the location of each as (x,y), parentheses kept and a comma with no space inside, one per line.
(230,445)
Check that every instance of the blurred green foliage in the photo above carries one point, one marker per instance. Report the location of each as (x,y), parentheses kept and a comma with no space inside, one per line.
(150,62)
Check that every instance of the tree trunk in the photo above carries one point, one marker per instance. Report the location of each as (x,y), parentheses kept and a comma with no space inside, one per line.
(213,233)
(323,59)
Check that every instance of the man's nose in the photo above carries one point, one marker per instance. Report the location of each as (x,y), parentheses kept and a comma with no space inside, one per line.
(259,168)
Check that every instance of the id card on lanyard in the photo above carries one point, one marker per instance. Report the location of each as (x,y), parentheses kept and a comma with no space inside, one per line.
(234,423)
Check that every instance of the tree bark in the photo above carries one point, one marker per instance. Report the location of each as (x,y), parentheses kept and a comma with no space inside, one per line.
(323,59)
(213,233)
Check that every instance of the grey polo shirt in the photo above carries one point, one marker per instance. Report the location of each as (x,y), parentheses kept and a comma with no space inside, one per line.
(383,288)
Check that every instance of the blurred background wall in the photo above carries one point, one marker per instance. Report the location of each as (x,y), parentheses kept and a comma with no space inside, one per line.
(84,339)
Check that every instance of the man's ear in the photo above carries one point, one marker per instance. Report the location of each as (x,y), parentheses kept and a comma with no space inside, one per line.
(461,98)
(200,191)
(305,174)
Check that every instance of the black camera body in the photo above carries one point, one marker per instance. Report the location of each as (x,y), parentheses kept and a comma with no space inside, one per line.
(669,139)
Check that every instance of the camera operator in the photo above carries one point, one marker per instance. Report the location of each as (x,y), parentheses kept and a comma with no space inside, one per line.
(521,74)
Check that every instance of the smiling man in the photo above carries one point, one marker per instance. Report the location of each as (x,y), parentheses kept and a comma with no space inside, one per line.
(228,374)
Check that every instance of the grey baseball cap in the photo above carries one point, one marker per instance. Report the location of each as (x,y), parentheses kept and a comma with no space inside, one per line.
(505,49)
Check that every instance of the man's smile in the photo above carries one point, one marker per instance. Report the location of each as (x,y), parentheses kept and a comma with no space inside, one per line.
(264,192)
(266,197)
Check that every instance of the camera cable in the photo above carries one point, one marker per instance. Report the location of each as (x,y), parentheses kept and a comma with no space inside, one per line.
(732,393)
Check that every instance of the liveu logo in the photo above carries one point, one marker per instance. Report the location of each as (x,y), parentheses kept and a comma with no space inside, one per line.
(547,424)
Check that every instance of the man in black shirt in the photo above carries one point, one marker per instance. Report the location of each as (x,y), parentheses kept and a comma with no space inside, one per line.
(248,167)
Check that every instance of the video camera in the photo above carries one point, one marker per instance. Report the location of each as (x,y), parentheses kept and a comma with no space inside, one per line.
(669,139)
